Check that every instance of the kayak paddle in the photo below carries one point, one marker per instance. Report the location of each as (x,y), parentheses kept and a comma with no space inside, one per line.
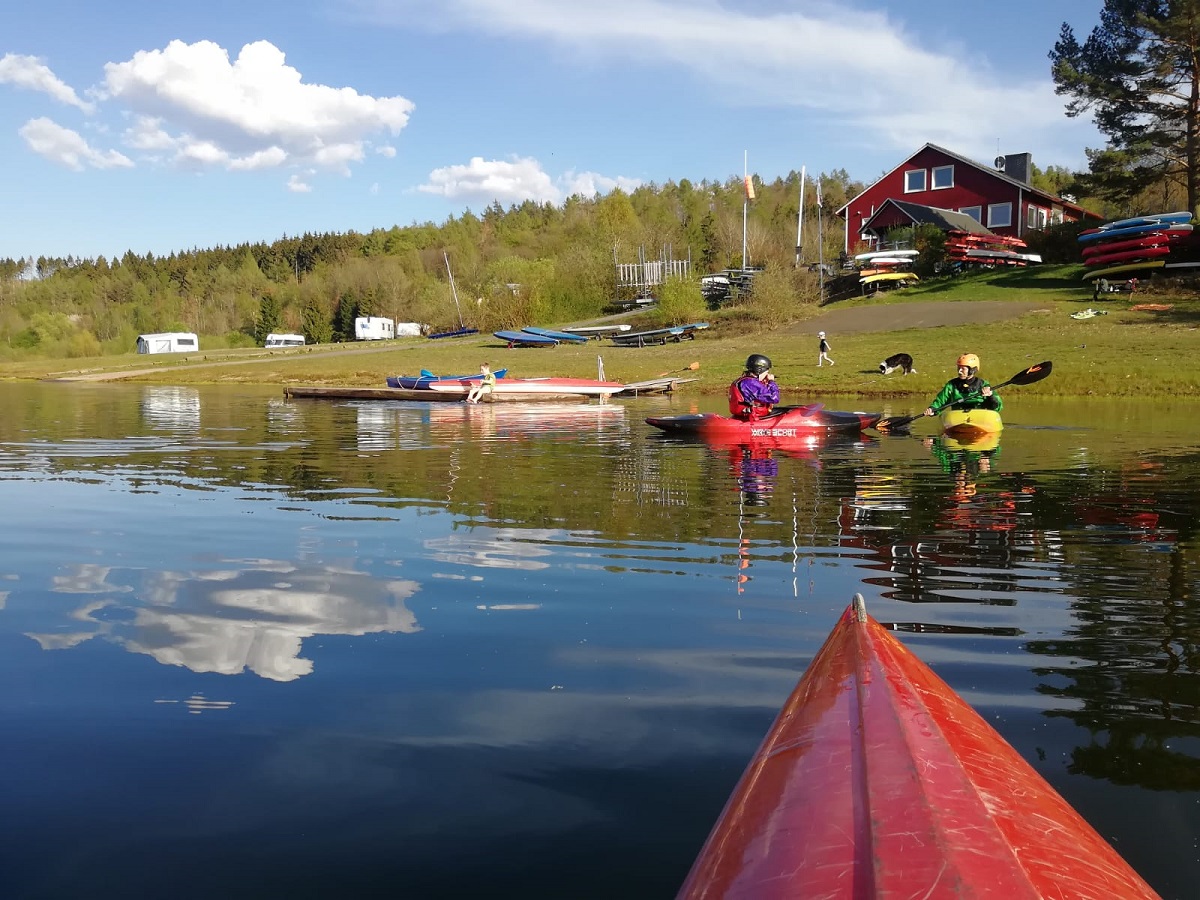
(1025,376)
(692,368)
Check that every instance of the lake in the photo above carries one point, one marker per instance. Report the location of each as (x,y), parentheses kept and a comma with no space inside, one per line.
(254,647)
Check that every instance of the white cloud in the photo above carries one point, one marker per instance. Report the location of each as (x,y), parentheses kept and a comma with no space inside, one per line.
(31,73)
(298,185)
(482,181)
(588,184)
(67,147)
(254,112)
(867,72)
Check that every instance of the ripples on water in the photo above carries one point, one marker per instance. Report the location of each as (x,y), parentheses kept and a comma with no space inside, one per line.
(346,640)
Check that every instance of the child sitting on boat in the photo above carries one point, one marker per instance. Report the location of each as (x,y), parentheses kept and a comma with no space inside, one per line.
(487,384)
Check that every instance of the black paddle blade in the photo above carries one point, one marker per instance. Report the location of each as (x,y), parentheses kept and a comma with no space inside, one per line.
(896,422)
(1030,375)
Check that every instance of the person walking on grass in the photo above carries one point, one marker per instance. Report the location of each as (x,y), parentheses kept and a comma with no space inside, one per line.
(823,348)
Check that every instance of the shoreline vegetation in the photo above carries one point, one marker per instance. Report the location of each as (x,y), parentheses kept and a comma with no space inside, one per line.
(1121,352)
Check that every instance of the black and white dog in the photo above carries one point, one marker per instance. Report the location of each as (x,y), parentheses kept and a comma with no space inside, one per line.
(896,361)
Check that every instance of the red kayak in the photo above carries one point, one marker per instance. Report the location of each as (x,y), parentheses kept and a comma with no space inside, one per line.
(789,424)
(877,780)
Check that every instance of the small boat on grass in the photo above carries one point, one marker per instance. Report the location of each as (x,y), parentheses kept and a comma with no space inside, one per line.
(562,337)
(598,331)
(787,424)
(878,780)
(525,339)
(675,333)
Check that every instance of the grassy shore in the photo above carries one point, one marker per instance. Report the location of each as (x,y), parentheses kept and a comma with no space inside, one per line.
(1121,353)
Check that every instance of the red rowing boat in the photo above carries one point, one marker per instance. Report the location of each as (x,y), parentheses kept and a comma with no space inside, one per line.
(877,780)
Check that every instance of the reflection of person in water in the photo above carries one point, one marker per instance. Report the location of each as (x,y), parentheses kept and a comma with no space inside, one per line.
(965,457)
(966,462)
(754,469)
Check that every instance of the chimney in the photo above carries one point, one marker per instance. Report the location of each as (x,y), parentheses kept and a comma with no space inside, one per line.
(1019,167)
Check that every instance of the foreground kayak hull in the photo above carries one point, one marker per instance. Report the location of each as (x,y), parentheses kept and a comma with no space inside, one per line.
(877,780)
(971,422)
(794,423)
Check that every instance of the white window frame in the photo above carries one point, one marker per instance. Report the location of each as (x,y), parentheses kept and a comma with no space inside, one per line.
(934,178)
(994,210)
(975,212)
(908,177)
(1037,217)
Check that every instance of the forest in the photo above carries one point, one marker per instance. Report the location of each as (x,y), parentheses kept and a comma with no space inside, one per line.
(529,264)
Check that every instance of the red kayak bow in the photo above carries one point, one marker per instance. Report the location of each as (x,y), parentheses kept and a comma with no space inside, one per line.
(877,780)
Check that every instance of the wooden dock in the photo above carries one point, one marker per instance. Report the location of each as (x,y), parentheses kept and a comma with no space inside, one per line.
(317,392)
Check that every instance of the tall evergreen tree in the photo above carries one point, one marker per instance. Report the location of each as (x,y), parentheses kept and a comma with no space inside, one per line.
(1137,72)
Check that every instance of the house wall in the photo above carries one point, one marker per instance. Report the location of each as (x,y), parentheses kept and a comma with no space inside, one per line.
(970,187)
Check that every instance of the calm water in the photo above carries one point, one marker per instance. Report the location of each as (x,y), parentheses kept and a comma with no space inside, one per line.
(259,648)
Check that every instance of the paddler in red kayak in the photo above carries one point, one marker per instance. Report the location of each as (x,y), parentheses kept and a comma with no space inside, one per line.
(754,394)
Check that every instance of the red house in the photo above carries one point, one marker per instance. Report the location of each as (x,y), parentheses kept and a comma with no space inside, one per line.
(998,198)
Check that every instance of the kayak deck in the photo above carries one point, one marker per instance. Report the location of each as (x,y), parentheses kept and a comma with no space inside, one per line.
(877,780)
(971,422)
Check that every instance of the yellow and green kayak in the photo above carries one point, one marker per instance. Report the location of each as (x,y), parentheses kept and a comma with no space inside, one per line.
(965,422)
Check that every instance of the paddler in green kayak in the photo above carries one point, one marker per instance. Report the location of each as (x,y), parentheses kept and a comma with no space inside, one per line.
(966,391)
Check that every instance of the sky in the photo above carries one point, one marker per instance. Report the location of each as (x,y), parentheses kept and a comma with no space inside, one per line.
(158,127)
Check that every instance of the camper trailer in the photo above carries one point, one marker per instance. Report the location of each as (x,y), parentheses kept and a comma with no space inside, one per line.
(284,340)
(168,342)
(374,328)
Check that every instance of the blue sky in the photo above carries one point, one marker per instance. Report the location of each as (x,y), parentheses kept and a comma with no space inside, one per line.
(156,127)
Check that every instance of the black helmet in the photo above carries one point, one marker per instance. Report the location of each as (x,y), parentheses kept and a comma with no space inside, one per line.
(757,363)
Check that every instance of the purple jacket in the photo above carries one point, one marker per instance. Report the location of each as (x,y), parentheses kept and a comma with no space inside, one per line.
(749,390)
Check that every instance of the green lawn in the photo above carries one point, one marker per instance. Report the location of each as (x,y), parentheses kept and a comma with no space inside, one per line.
(1121,353)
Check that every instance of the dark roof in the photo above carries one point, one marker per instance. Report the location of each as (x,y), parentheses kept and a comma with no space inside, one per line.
(945,219)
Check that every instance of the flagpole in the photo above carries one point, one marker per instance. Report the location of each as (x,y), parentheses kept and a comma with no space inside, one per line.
(820,246)
(745,203)
(800,220)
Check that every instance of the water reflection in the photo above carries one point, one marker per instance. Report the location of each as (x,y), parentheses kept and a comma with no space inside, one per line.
(551,616)
(171,408)
(252,616)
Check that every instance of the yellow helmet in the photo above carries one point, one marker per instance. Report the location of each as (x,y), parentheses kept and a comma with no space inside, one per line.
(970,360)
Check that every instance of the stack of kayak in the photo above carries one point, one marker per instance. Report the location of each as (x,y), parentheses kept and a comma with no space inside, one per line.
(880,269)
(878,780)
(988,250)
(1141,244)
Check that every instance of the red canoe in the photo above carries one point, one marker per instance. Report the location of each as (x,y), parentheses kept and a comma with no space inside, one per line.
(877,780)
(795,422)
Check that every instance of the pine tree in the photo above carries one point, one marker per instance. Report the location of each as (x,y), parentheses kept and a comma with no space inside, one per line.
(1137,72)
